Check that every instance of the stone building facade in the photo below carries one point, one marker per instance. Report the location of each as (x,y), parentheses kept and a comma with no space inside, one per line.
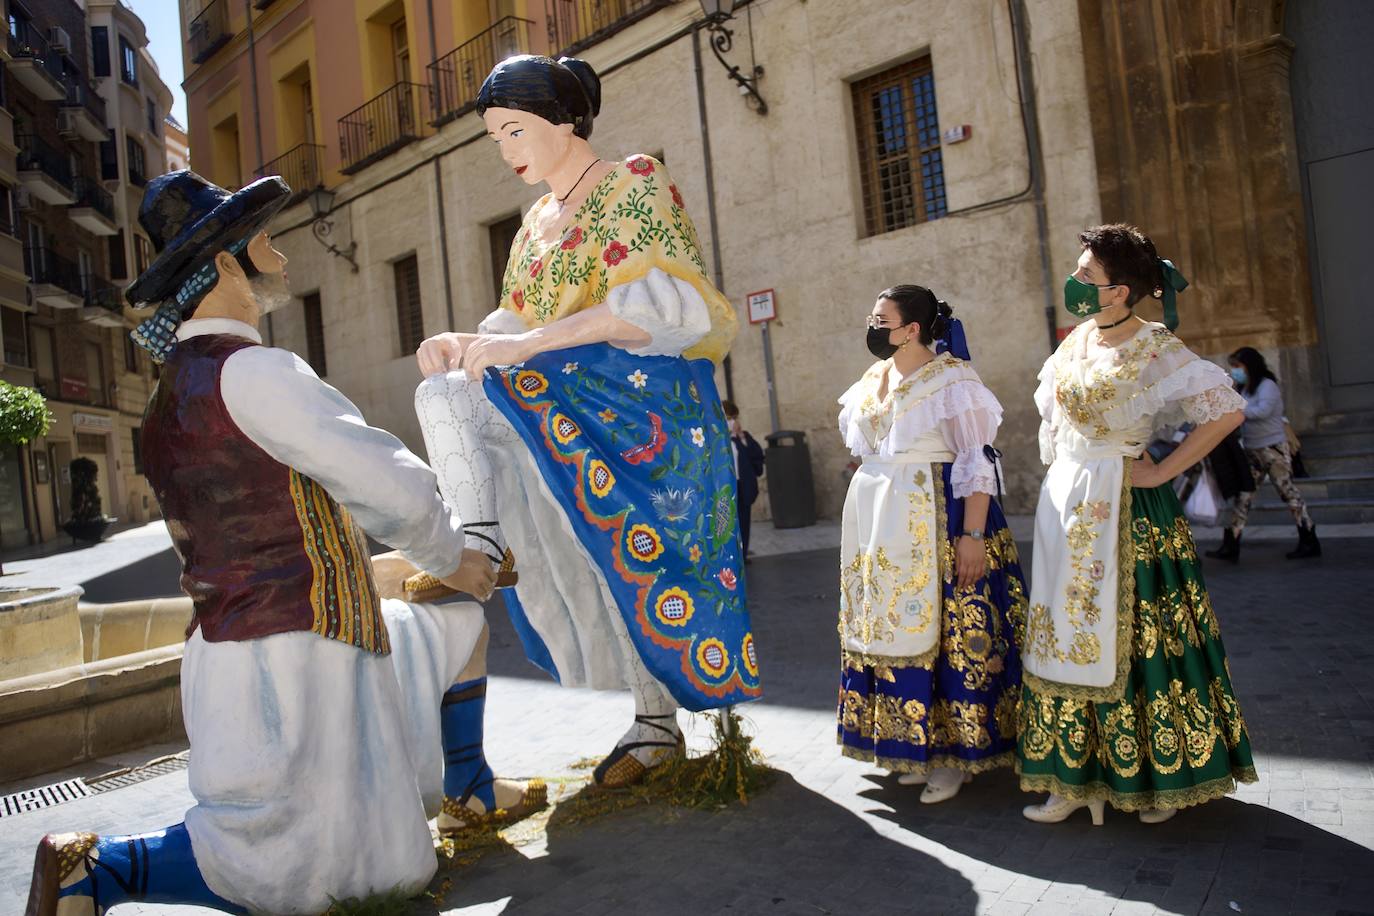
(796,200)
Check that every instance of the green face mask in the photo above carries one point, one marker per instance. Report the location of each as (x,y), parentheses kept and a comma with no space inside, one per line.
(1080,299)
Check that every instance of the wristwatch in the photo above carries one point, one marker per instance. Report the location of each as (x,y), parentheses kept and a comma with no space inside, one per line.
(976,534)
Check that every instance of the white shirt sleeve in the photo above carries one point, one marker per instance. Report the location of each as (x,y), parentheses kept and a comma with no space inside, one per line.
(278,401)
(502,321)
(669,310)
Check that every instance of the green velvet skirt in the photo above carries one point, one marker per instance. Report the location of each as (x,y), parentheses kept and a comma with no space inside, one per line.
(1176,738)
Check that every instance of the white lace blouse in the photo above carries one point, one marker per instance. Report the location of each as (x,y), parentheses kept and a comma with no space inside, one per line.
(944,398)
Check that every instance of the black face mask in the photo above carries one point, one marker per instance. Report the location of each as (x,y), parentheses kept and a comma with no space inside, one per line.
(880,342)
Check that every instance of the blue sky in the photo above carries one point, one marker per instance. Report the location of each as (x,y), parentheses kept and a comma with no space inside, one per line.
(164,43)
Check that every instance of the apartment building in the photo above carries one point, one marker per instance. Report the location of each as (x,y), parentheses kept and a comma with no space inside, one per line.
(84,104)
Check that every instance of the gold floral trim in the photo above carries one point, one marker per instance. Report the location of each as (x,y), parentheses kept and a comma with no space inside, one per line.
(856,660)
(1186,797)
(1125,615)
(945,761)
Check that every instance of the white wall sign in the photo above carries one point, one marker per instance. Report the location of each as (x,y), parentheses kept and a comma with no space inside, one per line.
(92,421)
(763,306)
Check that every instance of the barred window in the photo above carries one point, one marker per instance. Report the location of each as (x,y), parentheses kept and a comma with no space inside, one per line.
(409,320)
(901,172)
(314,334)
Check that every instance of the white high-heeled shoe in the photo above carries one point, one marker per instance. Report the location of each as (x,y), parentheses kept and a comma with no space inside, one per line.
(1157,815)
(911,779)
(943,785)
(1056,809)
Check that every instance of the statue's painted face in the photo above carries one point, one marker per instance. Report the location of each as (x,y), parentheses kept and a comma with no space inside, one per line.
(269,286)
(531,146)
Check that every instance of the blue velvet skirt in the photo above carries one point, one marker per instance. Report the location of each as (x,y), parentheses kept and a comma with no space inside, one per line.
(959,710)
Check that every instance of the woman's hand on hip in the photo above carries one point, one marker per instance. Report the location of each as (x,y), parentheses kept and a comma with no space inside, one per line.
(1147,475)
(970,561)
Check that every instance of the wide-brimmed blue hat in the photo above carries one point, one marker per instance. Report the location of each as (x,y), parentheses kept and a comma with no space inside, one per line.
(190,220)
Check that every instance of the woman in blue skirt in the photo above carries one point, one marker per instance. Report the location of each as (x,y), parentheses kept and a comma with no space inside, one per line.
(931,592)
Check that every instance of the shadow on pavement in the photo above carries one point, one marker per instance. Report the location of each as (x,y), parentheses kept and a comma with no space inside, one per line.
(790,851)
(1199,862)
(157,576)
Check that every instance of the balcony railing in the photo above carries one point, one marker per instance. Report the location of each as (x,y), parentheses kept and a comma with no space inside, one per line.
(35,154)
(47,267)
(209,31)
(383,125)
(456,77)
(300,166)
(89,193)
(26,41)
(80,94)
(577,24)
(102,294)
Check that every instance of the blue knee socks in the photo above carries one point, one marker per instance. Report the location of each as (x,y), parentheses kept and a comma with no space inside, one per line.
(158,867)
(466,773)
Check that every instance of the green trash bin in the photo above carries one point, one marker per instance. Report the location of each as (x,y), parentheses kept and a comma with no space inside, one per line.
(791,491)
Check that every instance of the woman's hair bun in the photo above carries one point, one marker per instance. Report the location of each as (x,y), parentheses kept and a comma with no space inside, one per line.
(591,83)
(940,326)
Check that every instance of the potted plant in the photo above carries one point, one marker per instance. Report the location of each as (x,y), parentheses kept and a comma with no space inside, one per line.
(87,523)
(24,416)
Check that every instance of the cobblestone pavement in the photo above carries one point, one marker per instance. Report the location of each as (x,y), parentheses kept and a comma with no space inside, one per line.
(835,836)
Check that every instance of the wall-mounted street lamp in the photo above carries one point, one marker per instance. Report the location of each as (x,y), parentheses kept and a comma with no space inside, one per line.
(321,205)
(718,13)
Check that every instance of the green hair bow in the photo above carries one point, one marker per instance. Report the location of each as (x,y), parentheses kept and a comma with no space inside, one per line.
(1174,283)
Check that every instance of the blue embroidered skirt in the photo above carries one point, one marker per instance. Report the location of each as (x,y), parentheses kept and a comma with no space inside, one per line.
(958,711)
(636,450)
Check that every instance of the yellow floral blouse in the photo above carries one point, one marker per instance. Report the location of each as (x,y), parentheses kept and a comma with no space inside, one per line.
(633,222)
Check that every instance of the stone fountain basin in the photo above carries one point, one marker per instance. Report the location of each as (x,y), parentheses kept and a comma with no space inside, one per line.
(81,681)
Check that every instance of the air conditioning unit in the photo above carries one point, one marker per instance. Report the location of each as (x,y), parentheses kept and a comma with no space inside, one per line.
(66,123)
(23,200)
(59,39)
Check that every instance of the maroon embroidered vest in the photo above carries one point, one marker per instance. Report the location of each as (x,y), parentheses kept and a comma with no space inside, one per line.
(264,549)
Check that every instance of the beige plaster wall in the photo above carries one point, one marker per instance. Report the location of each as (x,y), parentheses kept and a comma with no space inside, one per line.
(789,212)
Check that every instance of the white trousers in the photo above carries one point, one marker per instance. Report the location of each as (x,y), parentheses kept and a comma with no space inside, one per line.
(315,765)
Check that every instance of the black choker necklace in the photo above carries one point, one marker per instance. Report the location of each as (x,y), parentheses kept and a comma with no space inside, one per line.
(565,197)
(1115,324)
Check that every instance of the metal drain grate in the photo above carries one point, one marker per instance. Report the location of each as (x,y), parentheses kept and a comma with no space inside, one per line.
(150,770)
(71,789)
(43,797)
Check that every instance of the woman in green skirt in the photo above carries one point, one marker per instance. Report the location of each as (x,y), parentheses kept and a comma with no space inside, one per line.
(1127,695)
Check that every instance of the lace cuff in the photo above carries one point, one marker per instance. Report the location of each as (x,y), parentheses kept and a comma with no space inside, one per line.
(1212,404)
(971,473)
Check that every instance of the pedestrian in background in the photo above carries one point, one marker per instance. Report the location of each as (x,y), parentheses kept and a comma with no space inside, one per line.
(1265,439)
(748,467)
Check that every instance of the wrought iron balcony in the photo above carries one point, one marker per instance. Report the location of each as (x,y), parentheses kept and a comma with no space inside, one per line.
(102,303)
(94,209)
(44,171)
(209,31)
(578,24)
(83,112)
(300,166)
(456,77)
(57,281)
(33,61)
(383,125)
